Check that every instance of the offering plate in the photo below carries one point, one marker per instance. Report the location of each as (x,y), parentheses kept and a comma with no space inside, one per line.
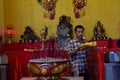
(48,68)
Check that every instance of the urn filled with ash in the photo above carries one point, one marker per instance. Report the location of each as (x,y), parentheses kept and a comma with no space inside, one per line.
(49,67)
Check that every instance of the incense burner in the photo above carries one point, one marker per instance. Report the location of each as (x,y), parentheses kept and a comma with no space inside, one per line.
(49,68)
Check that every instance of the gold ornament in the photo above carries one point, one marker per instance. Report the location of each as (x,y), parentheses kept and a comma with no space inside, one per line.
(78,8)
(49,7)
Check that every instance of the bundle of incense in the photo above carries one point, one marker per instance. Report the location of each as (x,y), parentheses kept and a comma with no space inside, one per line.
(89,44)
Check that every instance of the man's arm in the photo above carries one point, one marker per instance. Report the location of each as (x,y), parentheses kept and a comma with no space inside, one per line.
(78,49)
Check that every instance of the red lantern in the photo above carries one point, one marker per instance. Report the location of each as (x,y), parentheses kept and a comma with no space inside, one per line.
(9,33)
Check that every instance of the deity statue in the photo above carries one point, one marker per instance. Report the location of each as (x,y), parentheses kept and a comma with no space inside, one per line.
(29,36)
(64,31)
(99,32)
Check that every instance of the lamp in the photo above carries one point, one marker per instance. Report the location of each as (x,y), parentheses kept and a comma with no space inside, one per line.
(9,33)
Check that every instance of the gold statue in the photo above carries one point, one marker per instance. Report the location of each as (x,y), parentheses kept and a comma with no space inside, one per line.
(99,32)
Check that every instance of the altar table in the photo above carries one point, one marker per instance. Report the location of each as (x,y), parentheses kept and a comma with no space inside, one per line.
(18,59)
(66,78)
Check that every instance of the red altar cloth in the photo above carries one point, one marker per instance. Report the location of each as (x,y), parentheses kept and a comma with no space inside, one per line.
(107,43)
(17,65)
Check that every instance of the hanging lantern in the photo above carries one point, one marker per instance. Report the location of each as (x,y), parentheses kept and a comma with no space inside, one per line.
(49,8)
(78,8)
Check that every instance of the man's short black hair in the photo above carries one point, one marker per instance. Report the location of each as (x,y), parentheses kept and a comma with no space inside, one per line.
(78,26)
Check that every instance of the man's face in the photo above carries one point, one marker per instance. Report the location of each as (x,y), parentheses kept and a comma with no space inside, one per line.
(79,32)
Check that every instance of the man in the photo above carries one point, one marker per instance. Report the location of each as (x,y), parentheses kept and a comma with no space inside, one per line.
(78,53)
